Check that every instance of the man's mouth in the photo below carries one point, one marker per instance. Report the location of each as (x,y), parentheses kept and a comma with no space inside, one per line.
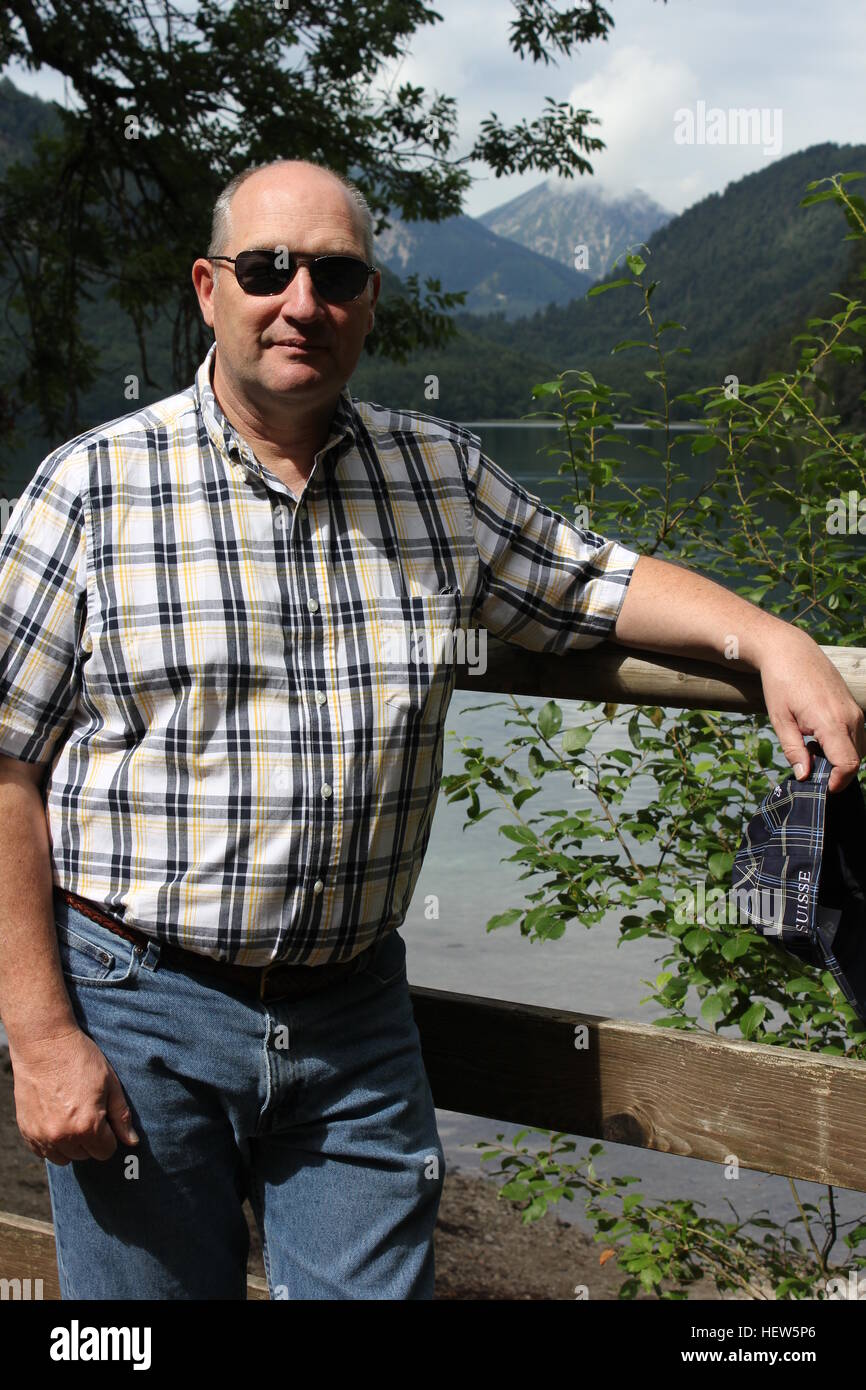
(296,345)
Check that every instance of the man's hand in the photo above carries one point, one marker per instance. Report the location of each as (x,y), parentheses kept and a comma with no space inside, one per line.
(668,608)
(69,1102)
(805,694)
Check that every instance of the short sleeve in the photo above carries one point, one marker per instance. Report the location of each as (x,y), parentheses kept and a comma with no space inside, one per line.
(43,610)
(544,583)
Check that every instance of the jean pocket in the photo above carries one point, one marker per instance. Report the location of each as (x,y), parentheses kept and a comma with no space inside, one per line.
(388,961)
(86,959)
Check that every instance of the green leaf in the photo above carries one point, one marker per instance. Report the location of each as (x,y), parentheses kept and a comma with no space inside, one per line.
(720,864)
(574,740)
(765,753)
(523,795)
(623,755)
(545,922)
(536,762)
(636,264)
(752,1018)
(696,940)
(610,285)
(630,343)
(713,1007)
(550,719)
(504,919)
(737,946)
(521,833)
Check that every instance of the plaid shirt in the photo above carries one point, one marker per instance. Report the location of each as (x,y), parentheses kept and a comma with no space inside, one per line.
(244,761)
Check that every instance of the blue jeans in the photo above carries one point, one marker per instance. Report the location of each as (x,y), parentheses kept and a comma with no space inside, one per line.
(318,1110)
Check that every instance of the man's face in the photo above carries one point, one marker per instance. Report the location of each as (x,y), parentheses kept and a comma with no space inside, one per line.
(292,348)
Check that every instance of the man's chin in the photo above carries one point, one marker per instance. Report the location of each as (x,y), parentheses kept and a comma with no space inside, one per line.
(301,373)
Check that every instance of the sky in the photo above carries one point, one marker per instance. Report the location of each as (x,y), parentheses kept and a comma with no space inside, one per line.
(800,64)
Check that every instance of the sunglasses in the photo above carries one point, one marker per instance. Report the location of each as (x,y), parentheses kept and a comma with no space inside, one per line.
(336,279)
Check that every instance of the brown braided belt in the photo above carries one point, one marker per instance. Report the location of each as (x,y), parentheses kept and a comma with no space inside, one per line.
(275,981)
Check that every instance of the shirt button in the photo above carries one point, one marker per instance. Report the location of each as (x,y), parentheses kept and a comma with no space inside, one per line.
(302,513)
(326,789)
(313,605)
(318,886)
(321,697)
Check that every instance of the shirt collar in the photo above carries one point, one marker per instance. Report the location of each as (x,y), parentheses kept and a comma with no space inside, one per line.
(344,421)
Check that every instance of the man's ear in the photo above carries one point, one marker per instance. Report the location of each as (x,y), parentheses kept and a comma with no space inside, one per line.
(204,283)
(377,285)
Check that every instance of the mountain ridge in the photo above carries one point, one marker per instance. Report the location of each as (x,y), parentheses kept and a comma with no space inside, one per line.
(556,219)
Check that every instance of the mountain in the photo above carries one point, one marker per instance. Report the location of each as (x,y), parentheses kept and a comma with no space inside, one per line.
(742,270)
(523,255)
(500,275)
(557,217)
(21,118)
(735,268)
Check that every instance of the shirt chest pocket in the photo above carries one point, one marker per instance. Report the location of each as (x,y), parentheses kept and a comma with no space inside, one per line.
(415,640)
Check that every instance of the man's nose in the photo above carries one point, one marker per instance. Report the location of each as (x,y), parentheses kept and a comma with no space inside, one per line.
(300,298)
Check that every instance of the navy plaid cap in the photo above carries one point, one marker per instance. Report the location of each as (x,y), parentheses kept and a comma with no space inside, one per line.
(800,875)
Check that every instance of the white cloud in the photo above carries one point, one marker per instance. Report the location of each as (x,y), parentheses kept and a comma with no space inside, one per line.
(634,95)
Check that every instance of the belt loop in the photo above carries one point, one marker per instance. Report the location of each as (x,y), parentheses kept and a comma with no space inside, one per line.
(150,957)
(262,977)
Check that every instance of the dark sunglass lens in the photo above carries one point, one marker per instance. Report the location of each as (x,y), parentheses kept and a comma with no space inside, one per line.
(258,274)
(338,278)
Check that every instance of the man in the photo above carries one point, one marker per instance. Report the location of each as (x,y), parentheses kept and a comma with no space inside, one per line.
(198,931)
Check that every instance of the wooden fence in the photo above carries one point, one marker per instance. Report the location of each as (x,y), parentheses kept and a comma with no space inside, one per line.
(778,1110)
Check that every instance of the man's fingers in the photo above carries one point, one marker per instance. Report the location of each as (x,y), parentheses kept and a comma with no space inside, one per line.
(792,745)
(118,1114)
(842,745)
(845,769)
(67,1150)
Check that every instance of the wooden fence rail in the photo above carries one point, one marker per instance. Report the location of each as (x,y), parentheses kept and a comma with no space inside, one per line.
(630,676)
(710,1097)
(700,1094)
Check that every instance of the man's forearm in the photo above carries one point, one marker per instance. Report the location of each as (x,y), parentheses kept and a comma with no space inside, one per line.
(671,609)
(34,1002)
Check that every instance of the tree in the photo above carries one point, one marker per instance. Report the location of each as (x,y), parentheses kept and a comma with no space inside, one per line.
(172,100)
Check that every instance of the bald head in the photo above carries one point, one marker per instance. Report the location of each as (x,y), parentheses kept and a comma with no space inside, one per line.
(299,178)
